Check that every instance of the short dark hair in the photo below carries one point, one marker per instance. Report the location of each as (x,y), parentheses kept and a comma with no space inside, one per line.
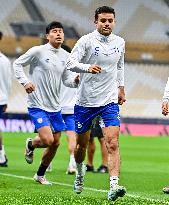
(1,35)
(52,25)
(103,9)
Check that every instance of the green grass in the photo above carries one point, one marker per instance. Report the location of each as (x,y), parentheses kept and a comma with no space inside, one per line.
(144,172)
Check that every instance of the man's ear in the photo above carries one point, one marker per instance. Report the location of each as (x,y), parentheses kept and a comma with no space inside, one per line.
(47,36)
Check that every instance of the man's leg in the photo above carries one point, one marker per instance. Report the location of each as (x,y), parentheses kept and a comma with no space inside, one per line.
(104,155)
(44,139)
(50,151)
(80,153)
(3,159)
(90,154)
(111,135)
(71,137)
(47,158)
(83,122)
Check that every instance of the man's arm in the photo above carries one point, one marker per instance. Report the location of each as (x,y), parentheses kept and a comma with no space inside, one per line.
(121,95)
(70,79)
(78,52)
(9,76)
(120,79)
(18,65)
(165,99)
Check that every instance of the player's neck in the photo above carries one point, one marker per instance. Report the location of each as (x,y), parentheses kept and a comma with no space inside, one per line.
(56,45)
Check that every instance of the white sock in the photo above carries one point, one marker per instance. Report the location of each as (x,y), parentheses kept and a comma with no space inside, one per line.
(72,161)
(72,158)
(2,156)
(114,180)
(3,149)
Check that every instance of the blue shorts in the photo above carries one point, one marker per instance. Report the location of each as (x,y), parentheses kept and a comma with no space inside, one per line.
(85,115)
(2,109)
(41,118)
(69,122)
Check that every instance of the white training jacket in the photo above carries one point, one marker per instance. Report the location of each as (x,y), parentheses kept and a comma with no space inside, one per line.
(47,71)
(68,99)
(5,79)
(166,92)
(97,90)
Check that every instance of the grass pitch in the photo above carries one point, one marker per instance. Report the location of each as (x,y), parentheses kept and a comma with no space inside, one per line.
(144,172)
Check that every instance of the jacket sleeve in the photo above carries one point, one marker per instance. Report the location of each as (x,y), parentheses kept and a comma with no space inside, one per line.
(166,92)
(120,68)
(68,79)
(74,60)
(10,77)
(21,62)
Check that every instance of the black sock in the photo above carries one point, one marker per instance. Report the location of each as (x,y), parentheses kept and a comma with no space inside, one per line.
(30,146)
(42,169)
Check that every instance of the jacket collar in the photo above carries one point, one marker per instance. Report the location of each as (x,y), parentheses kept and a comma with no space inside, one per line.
(102,38)
(50,47)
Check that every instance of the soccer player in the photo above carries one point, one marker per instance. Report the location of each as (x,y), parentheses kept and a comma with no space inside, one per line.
(99,58)
(96,131)
(165,111)
(68,98)
(43,86)
(5,85)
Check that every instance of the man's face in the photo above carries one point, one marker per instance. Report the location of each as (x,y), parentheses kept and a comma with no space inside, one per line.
(55,37)
(105,23)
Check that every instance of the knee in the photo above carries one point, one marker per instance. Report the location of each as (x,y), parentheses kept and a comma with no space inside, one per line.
(113,146)
(81,147)
(48,141)
(91,148)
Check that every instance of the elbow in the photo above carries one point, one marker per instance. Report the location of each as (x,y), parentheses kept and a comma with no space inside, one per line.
(69,84)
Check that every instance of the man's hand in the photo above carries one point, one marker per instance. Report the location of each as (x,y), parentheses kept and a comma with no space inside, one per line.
(77,79)
(165,108)
(94,69)
(121,96)
(29,88)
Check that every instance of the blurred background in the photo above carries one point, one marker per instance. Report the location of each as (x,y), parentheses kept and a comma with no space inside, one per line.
(144,24)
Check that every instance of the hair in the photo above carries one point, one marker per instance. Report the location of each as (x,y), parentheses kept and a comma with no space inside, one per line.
(1,35)
(103,9)
(52,25)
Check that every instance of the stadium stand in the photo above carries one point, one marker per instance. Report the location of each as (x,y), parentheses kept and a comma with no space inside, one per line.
(144,89)
(12,12)
(149,16)
(143,24)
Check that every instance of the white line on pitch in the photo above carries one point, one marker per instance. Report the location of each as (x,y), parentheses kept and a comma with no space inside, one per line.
(87,188)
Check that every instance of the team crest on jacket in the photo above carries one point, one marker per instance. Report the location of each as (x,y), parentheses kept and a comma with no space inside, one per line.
(79,125)
(40,120)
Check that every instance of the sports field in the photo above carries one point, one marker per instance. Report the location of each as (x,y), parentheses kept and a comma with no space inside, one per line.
(145,170)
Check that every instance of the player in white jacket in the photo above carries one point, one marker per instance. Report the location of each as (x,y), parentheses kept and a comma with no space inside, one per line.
(43,86)
(68,99)
(165,111)
(5,85)
(99,58)
(165,103)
